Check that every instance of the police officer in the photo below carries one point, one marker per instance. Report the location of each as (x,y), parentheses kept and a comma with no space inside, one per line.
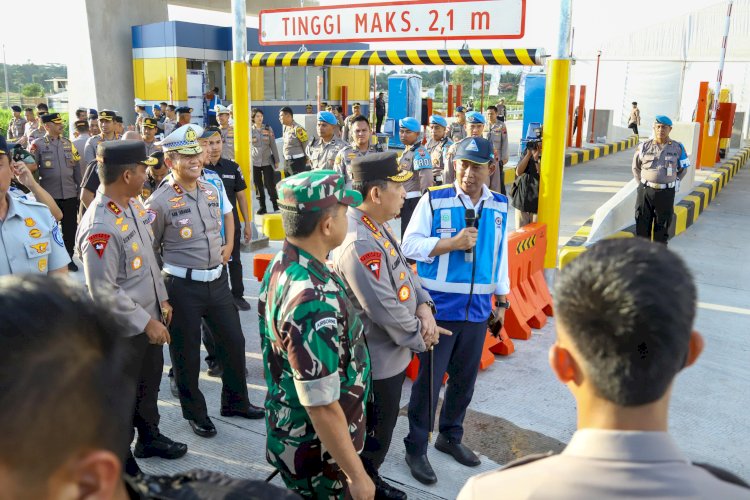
(323,149)
(155,174)
(622,383)
(397,311)
(658,166)
(457,129)
(438,146)
(361,146)
(119,126)
(183,114)
(379,111)
(16,124)
(497,134)
(461,265)
(116,248)
(148,134)
(346,131)
(265,156)
(83,135)
(159,117)
(60,175)
(295,142)
(474,128)
(415,158)
(30,239)
(187,223)
(170,120)
(34,128)
(315,358)
(107,126)
(227,132)
(502,111)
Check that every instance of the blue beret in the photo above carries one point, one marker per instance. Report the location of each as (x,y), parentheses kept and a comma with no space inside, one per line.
(327,117)
(664,120)
(475,117)
(438,120)
(410,123)
(461,109)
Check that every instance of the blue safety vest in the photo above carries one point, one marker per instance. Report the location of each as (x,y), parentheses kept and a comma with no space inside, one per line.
(462,288)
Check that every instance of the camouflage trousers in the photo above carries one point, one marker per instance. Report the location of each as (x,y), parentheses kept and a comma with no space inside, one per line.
(307,469)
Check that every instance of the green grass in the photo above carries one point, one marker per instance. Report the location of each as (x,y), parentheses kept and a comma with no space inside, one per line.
(6,115)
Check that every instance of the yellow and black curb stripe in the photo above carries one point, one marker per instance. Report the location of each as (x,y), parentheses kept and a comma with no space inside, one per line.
(592,153)
(526,244)
(686,212)
(458,57)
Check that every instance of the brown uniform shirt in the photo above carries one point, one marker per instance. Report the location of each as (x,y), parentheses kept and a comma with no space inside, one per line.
(345,156)
(227,143)
(295,140)
(59,166)
(323,154)
(416,159)
(660,163)
(456,131)
(16,127)
(264,148)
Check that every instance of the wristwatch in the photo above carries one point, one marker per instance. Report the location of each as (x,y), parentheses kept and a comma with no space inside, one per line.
(431,305)
(504,305)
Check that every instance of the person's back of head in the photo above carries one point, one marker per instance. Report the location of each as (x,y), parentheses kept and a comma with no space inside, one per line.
(628,307)
(64,402)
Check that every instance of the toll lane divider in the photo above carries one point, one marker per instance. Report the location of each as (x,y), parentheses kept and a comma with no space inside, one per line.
(686,212)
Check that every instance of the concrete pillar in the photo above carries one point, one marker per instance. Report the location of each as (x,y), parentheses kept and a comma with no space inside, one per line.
(100,68)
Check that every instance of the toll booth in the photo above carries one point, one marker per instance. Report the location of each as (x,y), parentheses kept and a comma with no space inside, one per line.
(404,99)
(533,102)
(178,62)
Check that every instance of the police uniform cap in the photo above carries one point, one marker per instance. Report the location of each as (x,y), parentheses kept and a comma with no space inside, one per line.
(159,157)
(663,119)
(221,110)
(80,123)
(150,122)
(210,132)
(474,149)
(52,118)
(475,117)
(107,114)
(183,140)
(123,153)
(410,123)
(378,167)
(460,109)
(438,120)
(327,117)
(118,119)
(356,105)
(315,190)
(184,109)
(93,113)
(17,109)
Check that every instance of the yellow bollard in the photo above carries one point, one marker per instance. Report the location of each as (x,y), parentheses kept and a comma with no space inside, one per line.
(242,127)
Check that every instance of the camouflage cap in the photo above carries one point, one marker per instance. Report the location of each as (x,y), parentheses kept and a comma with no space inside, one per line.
(315,190)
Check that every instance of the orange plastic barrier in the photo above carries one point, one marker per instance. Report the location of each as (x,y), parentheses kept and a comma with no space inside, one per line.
(260,263)
(413,369)
(536,275)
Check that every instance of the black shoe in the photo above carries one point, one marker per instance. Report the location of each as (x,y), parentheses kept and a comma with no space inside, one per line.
(203,428)
(461,453)
(131,466)
(72,267)
(173,387)
(214,368)
(162,447)
(252,412)
(421,469)
(261,211)
(241,304)
(275,207)
(385,491)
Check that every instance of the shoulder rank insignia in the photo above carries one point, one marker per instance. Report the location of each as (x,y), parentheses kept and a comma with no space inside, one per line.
(112,206)
(370,225)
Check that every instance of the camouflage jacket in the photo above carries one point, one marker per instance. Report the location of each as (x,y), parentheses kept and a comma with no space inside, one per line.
(314,353)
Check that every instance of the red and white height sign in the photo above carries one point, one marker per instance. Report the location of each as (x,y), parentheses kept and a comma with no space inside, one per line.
(394,21)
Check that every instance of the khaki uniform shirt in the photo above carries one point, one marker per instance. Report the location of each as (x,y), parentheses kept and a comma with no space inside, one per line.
(323,155)
(295,140)
(416,159)
(115,245)
(16,126)
(151,147)
(89,152)
(344,158)
(264,148)
(660,163)
(635,116)
(30,239)
(80,144)
(187,225)
(33,132)
(438,151)
(456,131)
(386,293)
(227,143)
(346,131)
(59,166)
(169,126)
(497,134)
(606,464)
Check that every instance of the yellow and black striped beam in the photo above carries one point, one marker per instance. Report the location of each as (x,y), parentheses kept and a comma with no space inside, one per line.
(470,57)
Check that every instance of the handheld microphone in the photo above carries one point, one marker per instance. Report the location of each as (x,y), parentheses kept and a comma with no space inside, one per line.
(471,218)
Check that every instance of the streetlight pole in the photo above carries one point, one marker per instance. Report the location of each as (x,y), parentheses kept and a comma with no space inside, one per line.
(596,88)
(5,69)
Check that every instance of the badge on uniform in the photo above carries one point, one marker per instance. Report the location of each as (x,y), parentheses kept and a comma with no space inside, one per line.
(29,222)
(40,247)
(114,208)
(186,233)
(124,228)
(136,264)
(370,225)
(35,233)
(150,217)
(402,276)
(42,265)
(99,242)
(57,235)
(179,205)
(372,260)
(175,199)
(183,222)
(404,293)
(134,246)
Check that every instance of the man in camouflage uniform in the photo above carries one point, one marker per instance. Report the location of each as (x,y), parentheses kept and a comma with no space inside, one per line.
(438,146)
(360,146)
(457,129)
(497,134)
(295,141)
(415,158)
(323,149)
(315,358)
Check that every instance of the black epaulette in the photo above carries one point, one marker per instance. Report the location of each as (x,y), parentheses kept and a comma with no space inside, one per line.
(527,459)
(723,475)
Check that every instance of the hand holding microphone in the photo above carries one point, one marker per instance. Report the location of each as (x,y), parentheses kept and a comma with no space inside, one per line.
(466,239)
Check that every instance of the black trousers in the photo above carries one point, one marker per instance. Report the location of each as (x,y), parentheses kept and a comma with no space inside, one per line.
(654,209)
(382,413)
(144,365)
(406,212)
(297,166)
(634,127)
(264,176)
(235,264)
(378,123)
(69,207)
(191,301)
(459,356)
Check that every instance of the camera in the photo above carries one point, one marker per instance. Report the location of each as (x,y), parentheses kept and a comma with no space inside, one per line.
(19,153)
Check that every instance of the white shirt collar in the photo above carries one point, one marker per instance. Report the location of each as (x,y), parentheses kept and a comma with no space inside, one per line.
(486,193)
(636,446)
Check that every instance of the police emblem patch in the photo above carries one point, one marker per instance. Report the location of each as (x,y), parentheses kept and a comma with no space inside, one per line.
(372,261)
(57,235)
(150,217)
(404,293)
(99,242)
(35,233)
(136,264)
(186,233)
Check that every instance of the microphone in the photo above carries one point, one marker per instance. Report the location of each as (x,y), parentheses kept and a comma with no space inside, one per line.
(471,218)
